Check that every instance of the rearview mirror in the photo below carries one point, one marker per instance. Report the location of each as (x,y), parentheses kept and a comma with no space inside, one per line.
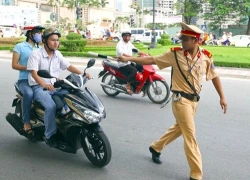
(135,50)
(91,63)
(44,74)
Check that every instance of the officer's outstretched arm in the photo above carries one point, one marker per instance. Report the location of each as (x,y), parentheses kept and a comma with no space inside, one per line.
(138,60)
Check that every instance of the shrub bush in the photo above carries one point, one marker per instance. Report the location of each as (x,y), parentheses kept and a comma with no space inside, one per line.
(165,40)
(6,48)
(74,42)
(73,36)
(93,42)
(165,36)
(83,54)
(11,41)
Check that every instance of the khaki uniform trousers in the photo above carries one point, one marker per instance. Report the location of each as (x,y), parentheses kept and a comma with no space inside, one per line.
(184,111)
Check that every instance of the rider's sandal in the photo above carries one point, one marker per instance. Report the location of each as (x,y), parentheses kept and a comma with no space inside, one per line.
(30,134)
(129,91)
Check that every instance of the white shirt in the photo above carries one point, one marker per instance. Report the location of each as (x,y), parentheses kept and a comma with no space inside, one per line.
(39,59)
(224,37)
(124,48)
(211,36)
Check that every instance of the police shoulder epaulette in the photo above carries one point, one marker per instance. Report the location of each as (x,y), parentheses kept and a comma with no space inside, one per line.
(176,48)
(207,53)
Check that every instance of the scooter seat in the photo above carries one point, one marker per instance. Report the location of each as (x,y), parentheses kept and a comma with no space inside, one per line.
(58,101)
(110,64)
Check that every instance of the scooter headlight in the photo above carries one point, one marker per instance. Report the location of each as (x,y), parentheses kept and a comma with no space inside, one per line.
(87,115)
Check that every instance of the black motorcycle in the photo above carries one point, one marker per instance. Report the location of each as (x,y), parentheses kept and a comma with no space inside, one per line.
(78,128)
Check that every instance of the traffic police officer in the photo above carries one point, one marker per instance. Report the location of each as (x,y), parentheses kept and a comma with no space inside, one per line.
(189,63)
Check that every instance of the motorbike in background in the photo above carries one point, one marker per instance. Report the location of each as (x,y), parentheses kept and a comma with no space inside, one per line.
(78,128)
(146,81)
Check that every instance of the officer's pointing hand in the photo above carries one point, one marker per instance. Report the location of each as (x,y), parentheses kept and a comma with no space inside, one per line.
(223,104)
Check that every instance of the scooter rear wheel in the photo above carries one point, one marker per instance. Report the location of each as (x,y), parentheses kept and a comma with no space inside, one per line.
(97,148)
(158,91)
(111,81)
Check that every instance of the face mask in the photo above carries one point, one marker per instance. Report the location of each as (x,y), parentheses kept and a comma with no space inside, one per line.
(37,38)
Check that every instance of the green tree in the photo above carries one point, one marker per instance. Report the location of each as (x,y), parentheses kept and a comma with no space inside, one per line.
(139,12)
(146,11)
(220,11)
(103,3)
(93,3)
(243,11)
(80,3)
(189,9)
(121,20)
(63,24)
(157,26)
(86,4)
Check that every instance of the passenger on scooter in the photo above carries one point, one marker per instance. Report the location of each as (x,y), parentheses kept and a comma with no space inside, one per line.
(48,58)
(124,48)
(21,53)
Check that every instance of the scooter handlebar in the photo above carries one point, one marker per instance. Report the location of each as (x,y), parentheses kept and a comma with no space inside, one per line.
(93,54)
(101,56)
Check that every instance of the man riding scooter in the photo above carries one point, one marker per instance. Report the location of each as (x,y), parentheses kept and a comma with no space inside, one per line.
(48,58)
(124,48)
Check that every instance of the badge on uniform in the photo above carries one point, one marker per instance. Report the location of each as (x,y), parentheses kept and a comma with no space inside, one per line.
(212,66)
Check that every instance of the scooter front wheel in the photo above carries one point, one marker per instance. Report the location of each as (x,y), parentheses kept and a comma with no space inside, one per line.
(111,81)
(158,91)
(97,147)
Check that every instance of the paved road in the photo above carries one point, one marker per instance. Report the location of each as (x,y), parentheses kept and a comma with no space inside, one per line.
(132,123)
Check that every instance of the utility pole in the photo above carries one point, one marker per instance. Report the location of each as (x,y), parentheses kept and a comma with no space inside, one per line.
(142,7)
(76,13)
(153,39)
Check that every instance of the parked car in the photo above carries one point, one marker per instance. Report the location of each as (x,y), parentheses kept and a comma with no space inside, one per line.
(147,36)
(240,41)
(137,32)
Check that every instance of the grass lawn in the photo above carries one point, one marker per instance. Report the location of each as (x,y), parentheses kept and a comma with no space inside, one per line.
(219,53)
(224,56)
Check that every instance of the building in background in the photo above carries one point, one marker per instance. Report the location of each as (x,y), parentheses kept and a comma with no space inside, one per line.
(7,2)
(123,13)
(119,5)
(163,7)
(41,12)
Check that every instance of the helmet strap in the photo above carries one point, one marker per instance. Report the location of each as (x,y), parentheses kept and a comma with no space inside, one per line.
(32,38)
(46,44)
(31,41)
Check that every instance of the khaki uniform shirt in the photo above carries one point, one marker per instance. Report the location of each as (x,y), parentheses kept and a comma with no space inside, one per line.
(193,69)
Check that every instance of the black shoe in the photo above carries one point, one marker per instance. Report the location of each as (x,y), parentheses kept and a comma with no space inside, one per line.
(52,141)
(155,156)
(193,179)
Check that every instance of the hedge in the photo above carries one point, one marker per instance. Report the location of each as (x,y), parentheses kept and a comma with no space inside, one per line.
(6,47)
(84,54)
(231,64)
